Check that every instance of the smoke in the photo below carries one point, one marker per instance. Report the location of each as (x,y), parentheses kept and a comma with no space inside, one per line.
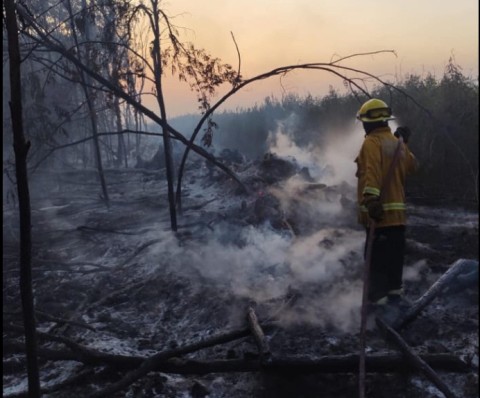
(413,273)
(320,270)
(261,265)
(281,143)
(339,154)
(313,278)
(331,164)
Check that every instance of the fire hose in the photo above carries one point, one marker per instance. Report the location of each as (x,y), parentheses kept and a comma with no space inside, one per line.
(366,270)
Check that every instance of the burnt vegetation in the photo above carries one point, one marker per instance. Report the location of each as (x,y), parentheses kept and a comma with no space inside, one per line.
(162,267)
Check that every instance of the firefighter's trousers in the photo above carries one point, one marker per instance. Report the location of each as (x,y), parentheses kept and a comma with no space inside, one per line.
(386,267)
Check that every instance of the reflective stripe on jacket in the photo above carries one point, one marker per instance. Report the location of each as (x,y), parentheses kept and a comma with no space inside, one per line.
(373,162)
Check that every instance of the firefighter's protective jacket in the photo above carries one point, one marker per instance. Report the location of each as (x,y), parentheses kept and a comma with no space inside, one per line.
(373,163)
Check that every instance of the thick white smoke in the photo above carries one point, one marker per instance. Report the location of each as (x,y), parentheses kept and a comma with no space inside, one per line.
(263,265)
(332,163)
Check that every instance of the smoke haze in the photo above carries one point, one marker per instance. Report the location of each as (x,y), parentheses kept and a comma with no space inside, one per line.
(264,265)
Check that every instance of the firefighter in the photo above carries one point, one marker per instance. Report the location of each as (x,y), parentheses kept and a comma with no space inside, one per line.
(388,210)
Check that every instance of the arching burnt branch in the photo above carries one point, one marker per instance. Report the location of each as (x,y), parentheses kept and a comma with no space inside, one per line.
(331,67)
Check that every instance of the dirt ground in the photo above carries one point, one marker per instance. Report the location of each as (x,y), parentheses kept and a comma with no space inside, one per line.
(107,270)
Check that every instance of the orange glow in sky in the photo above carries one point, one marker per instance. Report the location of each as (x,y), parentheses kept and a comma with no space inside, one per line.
(273,33)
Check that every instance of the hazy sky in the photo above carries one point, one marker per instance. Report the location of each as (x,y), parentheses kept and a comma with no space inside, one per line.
(273,33)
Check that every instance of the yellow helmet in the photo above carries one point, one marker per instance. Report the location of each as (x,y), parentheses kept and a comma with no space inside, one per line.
(374,110)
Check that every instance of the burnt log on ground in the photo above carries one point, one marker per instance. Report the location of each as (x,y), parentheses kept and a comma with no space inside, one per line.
(413,358)
(340,364)
(168,361)
(459,267)
(327,364)
(256,329)
(161,361)
(348,363)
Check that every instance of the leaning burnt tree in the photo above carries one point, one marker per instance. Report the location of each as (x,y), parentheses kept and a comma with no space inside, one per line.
(21,147)
(154,15)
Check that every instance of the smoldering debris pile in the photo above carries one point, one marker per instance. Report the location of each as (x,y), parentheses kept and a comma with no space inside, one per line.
(253,287)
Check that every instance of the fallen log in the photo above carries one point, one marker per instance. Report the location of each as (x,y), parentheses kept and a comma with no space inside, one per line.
(167,361)
(438,287)
(413,358)
(375,363)
(104,230)
(327,364)
(259,336)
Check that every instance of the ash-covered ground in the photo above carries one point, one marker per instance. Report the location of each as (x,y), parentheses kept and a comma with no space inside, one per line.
(290,248)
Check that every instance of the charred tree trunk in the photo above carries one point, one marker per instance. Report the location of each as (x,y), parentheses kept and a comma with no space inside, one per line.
(167,145)
(121,148)
(21,147)
(96,143)
(138,123)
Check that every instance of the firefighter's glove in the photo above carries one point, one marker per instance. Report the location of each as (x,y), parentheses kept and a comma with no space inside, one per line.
(374,207)
(403,132)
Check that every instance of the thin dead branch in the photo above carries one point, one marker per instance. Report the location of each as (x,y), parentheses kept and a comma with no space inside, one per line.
(48,317)
(414,359)
(259,336)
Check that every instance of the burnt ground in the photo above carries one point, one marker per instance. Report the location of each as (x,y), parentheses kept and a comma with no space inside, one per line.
(132,287)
